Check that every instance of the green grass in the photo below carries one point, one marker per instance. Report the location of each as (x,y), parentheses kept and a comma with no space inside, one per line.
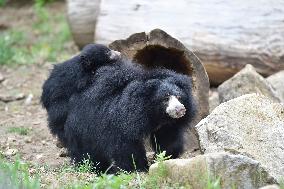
(85,167)
(281,184)
(45,41)
(213,183)
(154,181)
(2,3)
(41,3)
(114,181)
(16,175)
(19,130)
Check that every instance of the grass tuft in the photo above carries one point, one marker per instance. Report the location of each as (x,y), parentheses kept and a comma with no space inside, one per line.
(119,181)
(42,3)
(19,130)
(85,166)
(156,180)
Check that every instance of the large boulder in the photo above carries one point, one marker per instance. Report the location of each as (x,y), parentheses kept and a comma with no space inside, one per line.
(252,125)
(236,171)
(245,82)
(277,82)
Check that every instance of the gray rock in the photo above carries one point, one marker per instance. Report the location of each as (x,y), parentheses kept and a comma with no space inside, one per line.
(277,82)
(246,81)
(236,171)
(213,100)
(251,124)
(273,186)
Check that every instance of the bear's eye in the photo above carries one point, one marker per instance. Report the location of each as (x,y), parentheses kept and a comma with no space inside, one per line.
(167,97)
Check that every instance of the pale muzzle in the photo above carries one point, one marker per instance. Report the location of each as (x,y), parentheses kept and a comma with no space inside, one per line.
(175,109)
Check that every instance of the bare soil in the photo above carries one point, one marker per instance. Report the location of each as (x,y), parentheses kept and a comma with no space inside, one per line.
(38,146)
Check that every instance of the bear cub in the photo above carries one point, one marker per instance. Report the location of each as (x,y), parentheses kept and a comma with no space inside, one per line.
(69,77)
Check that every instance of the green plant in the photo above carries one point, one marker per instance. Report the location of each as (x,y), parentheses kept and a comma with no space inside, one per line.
(41,3)
(8,44)
(19,130)
(2,3)
(16,175)
(155,180)
(85,166)
(213,183)
(281,183)
(119,181)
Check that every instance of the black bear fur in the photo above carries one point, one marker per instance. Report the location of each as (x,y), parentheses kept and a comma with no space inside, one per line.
(70,77)
(109,121)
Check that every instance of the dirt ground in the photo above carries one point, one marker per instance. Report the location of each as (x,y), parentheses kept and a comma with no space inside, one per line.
(38,145)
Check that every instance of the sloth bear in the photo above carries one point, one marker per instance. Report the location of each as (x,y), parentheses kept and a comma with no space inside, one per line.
(109,121)
(69,77)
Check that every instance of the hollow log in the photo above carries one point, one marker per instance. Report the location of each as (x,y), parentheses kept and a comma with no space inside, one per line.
(82,17)
(158,49)
(225,35)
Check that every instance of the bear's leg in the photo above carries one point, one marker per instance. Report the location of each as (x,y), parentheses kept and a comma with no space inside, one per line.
(169,139)
(129,156)
(57,114)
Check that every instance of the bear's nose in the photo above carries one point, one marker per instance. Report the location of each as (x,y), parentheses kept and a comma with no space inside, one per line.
(114,55)
(180,111)
(175,109)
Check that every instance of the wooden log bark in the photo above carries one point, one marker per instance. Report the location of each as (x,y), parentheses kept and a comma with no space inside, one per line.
(158,49)
(82,18)
(225,35)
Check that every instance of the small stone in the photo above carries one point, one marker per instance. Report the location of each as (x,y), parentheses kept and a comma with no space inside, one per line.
(11,152)
(11,139)
(32,171)
(36,123)
(29,99)
(59,144)
(28,140)
(63,152)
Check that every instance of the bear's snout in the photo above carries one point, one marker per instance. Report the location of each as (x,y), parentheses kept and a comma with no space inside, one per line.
(114,55)
(175,108)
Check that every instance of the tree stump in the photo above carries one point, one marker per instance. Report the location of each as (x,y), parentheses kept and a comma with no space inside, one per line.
(160,49)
